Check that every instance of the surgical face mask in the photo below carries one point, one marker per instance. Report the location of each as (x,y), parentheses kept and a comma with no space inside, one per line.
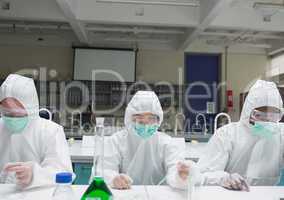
(15,124)
(145,130)
(265,129)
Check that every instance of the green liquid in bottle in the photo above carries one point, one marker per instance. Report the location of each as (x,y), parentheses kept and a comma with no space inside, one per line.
(98,190)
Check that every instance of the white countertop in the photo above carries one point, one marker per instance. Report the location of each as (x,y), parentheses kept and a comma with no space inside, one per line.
(9,192)
(216,193)
(80,154)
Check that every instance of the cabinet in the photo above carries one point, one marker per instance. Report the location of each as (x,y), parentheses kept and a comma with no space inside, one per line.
(83,172)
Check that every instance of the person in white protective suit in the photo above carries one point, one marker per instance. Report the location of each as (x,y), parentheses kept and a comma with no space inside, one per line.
(248,152)
(140,154)
(32,149)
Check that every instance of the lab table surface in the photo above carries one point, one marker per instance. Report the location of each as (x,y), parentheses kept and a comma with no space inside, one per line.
(9,192)
(81,154)
(214,192)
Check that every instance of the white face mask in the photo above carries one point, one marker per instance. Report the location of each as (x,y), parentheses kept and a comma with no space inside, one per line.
(265,129)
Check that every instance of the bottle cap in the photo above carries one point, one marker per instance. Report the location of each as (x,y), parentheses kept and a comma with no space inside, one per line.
(64,177)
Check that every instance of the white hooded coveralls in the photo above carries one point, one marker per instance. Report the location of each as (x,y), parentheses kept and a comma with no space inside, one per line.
(146,161)
(42,142)
(233,148)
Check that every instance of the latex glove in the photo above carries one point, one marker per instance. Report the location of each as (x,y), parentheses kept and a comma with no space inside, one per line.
(23,172)
(122,182)
(235,182)
(183,170)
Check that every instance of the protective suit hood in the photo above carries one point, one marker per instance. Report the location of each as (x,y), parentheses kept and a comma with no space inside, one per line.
(262,93)
(22,89)
(141,102)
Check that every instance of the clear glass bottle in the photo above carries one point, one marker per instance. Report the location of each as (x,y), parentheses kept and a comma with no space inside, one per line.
(63,190)
(193,184)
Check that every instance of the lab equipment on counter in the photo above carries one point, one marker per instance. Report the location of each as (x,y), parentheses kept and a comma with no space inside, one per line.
(98,189)
(78,120)
(45,113)
(71,141)
(197,125)
(217,117)
(99,147)
(192,184)
(178,122)
(63,190)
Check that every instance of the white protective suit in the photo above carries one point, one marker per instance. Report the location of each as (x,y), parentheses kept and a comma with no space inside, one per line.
(233,149)
(42,142)
(146,161)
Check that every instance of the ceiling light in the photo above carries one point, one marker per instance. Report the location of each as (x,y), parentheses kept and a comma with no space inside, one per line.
(233,43)
(267,10)
(167,3)
(135,30)
(271,6)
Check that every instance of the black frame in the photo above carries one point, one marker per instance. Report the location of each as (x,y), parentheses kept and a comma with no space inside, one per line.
(103,48)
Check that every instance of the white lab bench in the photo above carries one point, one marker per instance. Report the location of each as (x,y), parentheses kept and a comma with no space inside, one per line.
(151,193)
(81,154)
(9,192)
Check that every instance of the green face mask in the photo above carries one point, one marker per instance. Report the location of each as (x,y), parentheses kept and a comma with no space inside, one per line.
(15,124)
(265,129)
(146,131)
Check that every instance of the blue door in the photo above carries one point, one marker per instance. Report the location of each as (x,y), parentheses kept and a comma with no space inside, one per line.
(202,94)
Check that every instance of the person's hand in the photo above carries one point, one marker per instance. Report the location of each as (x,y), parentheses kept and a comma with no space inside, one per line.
(122,182)
(235,182)
(23,172)
(183,170)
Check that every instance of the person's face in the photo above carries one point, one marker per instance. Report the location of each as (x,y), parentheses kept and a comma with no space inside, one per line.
(11,107)
(266,114)
(145,118)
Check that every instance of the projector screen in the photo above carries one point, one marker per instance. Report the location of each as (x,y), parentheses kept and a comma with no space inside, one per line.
(104,65)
